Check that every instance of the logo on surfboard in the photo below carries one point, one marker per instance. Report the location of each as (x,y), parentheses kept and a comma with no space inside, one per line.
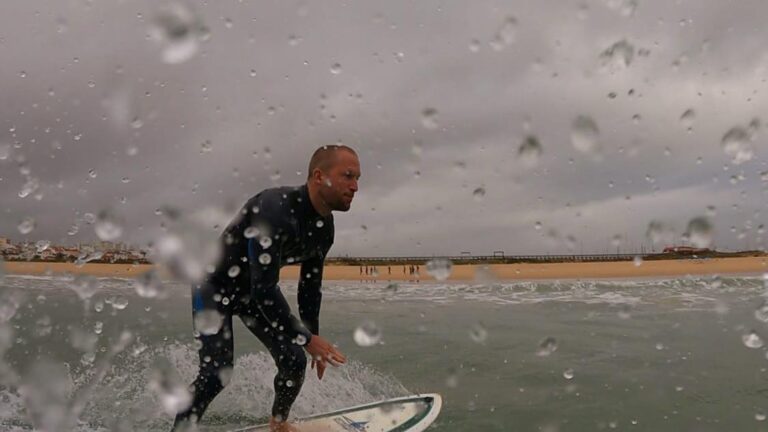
(350,425)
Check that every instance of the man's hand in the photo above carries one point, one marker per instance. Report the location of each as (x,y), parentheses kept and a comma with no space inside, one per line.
(322,351)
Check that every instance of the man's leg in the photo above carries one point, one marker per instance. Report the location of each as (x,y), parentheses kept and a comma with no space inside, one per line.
(290,359)
(216,356)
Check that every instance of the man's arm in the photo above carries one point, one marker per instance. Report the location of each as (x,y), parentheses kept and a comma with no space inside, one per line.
(264,264)
(310,294)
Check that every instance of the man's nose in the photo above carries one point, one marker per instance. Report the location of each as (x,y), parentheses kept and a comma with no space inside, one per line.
(353,186)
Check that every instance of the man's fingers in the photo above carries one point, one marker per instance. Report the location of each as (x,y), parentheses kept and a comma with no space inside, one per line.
(320,370)
(336,358)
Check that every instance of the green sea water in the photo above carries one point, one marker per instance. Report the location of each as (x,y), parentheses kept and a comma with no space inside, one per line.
(646,354)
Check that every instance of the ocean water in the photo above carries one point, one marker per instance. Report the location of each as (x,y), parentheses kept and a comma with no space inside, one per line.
(653,354)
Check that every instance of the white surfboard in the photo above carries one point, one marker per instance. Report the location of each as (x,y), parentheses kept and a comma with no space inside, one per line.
(404,414)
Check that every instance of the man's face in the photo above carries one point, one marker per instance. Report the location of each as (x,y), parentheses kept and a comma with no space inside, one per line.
(340,182)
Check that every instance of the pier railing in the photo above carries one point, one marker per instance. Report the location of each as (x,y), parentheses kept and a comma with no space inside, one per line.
(512,259)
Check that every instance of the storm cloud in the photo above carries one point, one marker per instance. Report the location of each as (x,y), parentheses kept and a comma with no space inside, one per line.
(437,97)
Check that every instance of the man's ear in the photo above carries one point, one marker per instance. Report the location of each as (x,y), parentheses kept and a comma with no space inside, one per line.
(317,176)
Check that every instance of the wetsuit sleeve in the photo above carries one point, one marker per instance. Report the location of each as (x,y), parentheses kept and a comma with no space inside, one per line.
(264,265)
(310,294)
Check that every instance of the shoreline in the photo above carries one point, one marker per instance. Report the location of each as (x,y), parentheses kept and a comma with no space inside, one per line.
(462,272)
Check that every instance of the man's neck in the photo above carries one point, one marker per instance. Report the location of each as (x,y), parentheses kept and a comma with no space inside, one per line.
(317,202)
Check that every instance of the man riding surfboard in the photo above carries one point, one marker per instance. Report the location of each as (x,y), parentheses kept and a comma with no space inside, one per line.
(278,226)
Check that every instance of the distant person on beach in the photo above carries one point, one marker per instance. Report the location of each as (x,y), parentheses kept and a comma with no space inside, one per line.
(277,226)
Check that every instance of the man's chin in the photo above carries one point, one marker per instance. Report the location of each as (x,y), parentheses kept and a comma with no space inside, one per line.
(342,207)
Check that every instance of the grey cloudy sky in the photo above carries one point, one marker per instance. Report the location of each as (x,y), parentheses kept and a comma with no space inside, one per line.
(88,86)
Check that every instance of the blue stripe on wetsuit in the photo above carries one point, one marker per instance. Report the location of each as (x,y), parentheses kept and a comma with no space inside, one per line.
(197,299)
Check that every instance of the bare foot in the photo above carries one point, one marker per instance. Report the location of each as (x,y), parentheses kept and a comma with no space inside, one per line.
(281,426)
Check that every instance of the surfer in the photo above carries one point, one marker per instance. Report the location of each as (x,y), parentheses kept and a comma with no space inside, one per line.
(278,226)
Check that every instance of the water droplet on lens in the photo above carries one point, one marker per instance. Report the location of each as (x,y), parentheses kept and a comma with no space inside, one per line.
(251,232)
(478,333)
(26,226)
(225,376)
(752,340)
(506,34)
(301,340)
(439,268)
(688,118)
(736,145)
(233,271)
(367,334)
(108,227)
(568,374)
(429,118)
(118,302)
(624,312)
(265,258)
(319,223)
(42,245)
(479,193)
(659,233)
(170,388)
(618,56)
(699,232)
(547,346)
(584,134)
(265,242)
(148,284)
(336,68)
(761,313)
(530,151)
(180,31)
(208,321)
(206,146)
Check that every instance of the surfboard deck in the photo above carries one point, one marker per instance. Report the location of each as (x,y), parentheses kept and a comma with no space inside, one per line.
(405,414)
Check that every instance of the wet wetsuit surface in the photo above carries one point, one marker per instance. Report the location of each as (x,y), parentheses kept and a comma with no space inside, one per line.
(276,227)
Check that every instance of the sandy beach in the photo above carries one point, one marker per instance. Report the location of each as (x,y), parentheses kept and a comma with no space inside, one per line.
(584,270)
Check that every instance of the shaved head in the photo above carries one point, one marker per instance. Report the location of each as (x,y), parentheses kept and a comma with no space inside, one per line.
(324,157)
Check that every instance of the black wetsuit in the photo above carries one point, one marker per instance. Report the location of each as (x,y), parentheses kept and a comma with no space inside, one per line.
(276,227)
